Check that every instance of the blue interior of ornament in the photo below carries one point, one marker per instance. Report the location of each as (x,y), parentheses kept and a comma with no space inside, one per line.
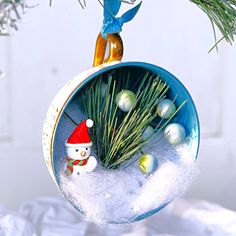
(187,116)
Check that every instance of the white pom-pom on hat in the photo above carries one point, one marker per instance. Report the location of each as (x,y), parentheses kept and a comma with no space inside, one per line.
(89,123)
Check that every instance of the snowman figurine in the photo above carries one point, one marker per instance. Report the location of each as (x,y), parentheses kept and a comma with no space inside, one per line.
(78,149)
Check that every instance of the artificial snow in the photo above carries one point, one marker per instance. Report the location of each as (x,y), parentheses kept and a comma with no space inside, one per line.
(122,195)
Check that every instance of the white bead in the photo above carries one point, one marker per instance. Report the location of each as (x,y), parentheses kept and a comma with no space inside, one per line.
(166,108)
(126,100)
(175,133)
(89,123)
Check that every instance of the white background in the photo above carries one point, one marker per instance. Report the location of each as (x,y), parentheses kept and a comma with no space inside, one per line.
(57,43)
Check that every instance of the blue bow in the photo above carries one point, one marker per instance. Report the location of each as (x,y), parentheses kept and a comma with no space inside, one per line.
(113,24)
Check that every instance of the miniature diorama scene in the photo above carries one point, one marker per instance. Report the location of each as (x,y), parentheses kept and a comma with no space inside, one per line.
(126,144)
(120,140)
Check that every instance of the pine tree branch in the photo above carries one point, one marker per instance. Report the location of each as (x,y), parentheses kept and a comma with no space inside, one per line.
(10,14)
(117,135)
(222,14)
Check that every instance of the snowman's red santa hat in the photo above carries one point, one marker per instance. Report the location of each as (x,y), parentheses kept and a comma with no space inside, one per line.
(80,136)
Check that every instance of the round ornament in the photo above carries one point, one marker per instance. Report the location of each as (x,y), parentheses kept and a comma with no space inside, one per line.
(175,133)
(126,100)
(166,108)
(92,148)
(148,163)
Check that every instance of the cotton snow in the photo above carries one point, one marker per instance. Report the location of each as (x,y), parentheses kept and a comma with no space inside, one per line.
(121,195)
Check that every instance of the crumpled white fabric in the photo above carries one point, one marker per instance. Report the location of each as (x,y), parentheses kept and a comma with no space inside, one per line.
(12,223)
(52,216)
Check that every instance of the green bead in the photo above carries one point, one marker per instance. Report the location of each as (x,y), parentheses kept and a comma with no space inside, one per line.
(126,100)
(148,163)
(166,108)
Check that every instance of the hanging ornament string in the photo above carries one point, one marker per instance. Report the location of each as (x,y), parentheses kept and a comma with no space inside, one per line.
(113,24)
(109,33)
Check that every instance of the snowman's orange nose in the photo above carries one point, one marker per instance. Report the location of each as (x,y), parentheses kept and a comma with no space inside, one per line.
(83,153)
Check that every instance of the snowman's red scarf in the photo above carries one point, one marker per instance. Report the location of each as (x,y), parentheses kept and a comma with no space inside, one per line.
(71,162)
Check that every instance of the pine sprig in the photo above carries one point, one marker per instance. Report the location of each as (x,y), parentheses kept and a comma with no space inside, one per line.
(222,14)
(10,14)
(117,136)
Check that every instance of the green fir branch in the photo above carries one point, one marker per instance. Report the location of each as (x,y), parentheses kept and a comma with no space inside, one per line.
(10,14)
(117,135)
(222,14)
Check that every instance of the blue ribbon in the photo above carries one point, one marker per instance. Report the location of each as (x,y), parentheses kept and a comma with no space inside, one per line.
(113,24)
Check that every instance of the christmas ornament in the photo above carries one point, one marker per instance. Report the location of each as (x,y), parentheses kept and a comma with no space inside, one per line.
(78,149)
(117,139)
(148,163)
(126,100)
(117,190)
(166,108)
(175,133)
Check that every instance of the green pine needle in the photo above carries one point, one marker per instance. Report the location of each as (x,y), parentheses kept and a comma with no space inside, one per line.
(117,135)
(222,14)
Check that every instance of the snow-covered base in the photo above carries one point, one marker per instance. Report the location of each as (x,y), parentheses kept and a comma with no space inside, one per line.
(123,194)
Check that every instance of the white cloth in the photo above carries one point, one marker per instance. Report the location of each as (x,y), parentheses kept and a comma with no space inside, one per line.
(54,217)
(12,223)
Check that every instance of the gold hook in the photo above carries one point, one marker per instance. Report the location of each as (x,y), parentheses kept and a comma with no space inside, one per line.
(115,52)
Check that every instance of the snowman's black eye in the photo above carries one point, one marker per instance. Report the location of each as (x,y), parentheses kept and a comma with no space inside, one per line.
(86,148)
(76,150)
